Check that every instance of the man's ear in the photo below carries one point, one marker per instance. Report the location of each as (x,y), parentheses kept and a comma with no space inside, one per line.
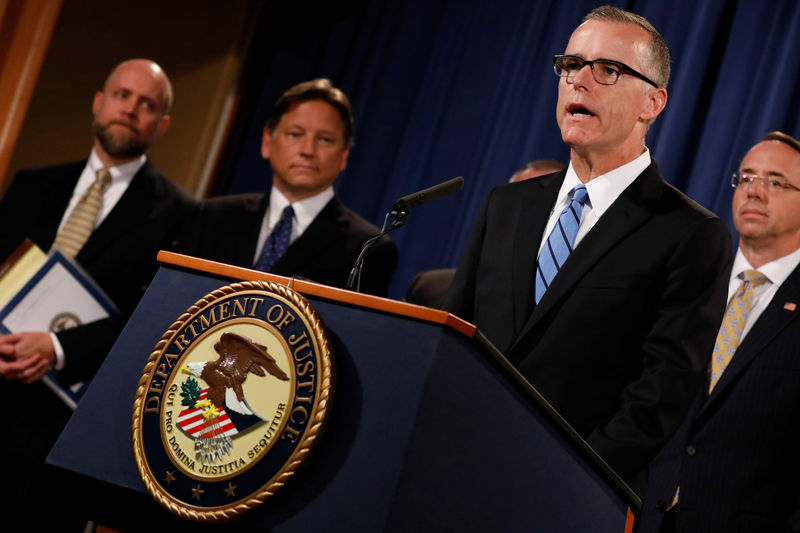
(343,165)
(98,96)
(655,104)
(162,128)
(266,143)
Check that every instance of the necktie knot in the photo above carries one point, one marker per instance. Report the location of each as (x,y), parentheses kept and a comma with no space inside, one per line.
(580,194)
(103,177)
(753,277)
(288,212)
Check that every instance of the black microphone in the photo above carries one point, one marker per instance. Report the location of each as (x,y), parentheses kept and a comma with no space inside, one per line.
(410,201)
(398,213)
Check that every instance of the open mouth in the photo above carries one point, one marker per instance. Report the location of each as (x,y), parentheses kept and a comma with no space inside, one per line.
(578,110)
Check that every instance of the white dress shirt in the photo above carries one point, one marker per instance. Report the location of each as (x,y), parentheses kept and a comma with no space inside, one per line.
(602,190)
(776,272)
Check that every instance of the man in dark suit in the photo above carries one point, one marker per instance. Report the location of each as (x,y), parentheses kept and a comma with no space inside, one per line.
(138,209)
(306,140)
(735,456)
(618,340)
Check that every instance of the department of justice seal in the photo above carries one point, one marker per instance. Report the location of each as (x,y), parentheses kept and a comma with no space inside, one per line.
(231,401)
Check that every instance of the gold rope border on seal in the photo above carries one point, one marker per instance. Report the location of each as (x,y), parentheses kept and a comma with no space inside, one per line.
(300,453)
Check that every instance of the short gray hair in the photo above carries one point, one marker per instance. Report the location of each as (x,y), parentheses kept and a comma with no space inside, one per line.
(657,59)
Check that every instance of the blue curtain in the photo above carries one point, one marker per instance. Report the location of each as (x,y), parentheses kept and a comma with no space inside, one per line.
(448,88)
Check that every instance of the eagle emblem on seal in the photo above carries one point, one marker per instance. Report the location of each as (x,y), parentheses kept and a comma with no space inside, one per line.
(215,414)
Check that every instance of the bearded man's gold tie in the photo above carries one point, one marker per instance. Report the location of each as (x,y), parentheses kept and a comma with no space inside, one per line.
(81,221)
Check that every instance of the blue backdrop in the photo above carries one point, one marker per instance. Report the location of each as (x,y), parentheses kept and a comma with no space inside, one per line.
(447,88)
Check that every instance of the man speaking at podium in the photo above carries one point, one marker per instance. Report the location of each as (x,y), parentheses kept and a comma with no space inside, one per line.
(130,208)
(602,284)
(299,227)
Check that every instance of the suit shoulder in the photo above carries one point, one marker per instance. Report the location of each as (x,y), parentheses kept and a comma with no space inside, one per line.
(71,169)
(346,216)
(679,201)
(354,225)
(239,210)
(519,189)
(29,182)
(247,201)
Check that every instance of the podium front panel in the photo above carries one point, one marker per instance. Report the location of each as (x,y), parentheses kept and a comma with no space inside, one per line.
(425,432)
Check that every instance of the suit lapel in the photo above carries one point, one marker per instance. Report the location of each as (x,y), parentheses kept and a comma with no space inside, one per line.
(131,209)
(56,201)
(771,322)
(628,212)
(324,231)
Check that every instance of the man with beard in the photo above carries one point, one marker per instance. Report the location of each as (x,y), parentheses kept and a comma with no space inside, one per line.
(139,207)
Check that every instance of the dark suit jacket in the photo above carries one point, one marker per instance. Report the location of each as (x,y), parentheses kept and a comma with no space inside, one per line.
(120,255)
(619,342)
(226,229)
(736,455)
(430,287)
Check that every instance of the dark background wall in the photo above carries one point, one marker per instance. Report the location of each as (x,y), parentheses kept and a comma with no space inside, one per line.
(201,45)
(440,88)
(450,88)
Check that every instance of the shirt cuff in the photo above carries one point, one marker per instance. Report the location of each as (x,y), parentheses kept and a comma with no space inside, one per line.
(59,350)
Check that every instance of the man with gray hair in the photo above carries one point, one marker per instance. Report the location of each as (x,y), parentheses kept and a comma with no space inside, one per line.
(601,283)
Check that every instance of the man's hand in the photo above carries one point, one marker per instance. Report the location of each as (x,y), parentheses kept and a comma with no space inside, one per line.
(26,356)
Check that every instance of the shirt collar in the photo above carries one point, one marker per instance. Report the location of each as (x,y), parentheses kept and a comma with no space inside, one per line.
(776,271)
(305,211)
(120,173)
(606,188)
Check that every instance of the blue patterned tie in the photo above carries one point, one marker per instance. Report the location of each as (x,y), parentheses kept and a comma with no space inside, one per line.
(560,241)
(278,241)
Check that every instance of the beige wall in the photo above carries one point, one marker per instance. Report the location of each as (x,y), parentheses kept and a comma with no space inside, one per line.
(199,43)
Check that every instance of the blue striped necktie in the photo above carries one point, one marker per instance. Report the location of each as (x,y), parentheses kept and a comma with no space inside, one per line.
(278,241)
(559,242)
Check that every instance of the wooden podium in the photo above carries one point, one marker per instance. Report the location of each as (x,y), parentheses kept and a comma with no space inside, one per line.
(430,429)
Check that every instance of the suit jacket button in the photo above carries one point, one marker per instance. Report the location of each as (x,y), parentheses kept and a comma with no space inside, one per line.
(661,506)
(691,450)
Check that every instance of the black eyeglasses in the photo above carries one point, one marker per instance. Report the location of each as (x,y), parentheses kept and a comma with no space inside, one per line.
(605,71)
(773,184)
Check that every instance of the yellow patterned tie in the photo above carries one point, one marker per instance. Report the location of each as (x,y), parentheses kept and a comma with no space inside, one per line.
(81,221)
(735,319)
